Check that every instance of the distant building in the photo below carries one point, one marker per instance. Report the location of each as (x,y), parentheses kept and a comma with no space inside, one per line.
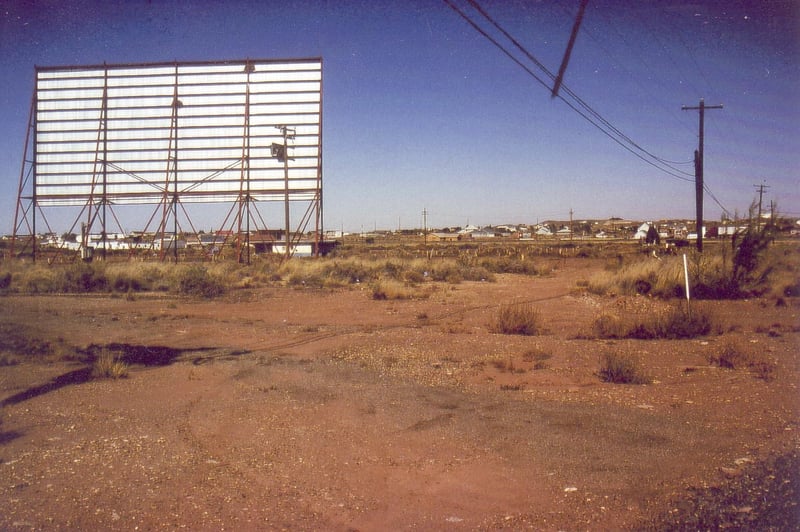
(447,237)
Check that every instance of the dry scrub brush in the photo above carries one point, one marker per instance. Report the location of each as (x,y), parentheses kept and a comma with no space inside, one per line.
(619,368)
(338,272)
(747,266)
(734,356)
(516,318)
(393,290)
(673,322)
(108,365)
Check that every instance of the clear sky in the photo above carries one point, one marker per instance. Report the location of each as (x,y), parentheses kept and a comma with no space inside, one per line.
(421,111)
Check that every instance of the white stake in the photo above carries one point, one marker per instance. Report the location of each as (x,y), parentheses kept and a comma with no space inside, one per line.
(686,277)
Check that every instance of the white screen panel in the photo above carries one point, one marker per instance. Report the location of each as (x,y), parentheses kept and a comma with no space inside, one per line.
(133,134)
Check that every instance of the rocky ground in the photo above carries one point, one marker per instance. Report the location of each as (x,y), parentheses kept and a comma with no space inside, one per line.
(283,408)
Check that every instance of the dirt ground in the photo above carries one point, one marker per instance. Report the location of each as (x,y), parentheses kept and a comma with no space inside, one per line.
(286,408)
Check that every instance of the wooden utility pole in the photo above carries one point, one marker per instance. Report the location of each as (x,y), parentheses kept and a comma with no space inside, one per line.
(698,170)
(760,188)
(425,229)
(571,231)
(281,152)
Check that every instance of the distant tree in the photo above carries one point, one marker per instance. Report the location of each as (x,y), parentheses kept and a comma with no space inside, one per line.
(652,236)
(69,237)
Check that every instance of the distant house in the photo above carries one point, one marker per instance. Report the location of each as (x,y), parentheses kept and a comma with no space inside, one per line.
(447,237)
(486,232)
(641,232)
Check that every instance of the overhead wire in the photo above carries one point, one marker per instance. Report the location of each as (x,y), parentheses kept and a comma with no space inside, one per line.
(713,197)
(633,52)
(588,112)
(585,110)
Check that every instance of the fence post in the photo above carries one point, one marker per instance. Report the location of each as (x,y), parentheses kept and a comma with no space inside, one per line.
(686,278)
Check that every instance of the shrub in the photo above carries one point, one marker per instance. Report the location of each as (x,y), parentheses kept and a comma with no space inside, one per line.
(733,356)
(81,278)
(127,283)
(620,368)
(674,323)
(447,272)
(748,250)
(5,281)
(391,290)
(539,359)
(517,318)
(8,359)
(509,265)
(196,281)
(608,325)
(108,366)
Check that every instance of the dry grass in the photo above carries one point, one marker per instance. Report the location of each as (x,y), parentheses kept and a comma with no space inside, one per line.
(538,358)
(734,356)
(395,290)
(108,365)
(517,318)
(671,323)
(711,275)
(620,368)
(632,273)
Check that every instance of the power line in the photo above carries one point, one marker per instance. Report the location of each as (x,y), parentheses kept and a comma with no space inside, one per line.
(713,197)
(574,96)
(585,110)
(633,52)
(595,119)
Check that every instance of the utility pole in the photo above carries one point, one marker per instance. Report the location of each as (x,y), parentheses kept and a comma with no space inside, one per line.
(425,228)
(698,169)
(281,152)
(570,224)
(760,188)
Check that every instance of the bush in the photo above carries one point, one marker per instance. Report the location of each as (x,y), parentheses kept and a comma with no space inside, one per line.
(733,356)
(674,323)
(81,278)
(196,281)
(108,366)
(748,250)
(517,318)
(392,290)
(619,368)
(539,359)
(127,283)
(509,265)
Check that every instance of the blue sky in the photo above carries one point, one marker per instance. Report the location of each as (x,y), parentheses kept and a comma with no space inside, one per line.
(421,111)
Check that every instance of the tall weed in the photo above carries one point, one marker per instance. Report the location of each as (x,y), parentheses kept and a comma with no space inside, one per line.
(517,318)
(674,323)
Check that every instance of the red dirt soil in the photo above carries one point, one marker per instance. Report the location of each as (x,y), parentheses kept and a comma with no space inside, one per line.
(282,408)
